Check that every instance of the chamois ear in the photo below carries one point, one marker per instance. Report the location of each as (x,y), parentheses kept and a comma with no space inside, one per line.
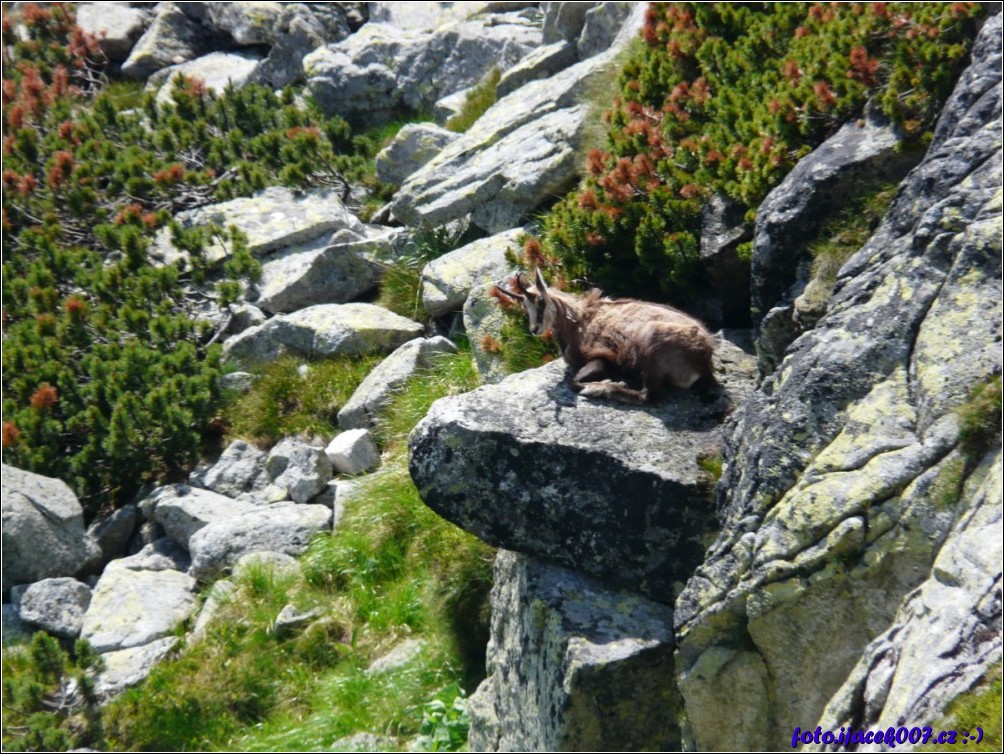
(522,286)
(539,281)
(507,293)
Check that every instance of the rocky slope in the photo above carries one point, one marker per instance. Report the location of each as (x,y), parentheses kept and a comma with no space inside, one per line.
(844,571)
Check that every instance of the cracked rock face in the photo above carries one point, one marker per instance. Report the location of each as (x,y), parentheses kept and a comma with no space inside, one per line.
(596,677)
(832,499)
(606,488)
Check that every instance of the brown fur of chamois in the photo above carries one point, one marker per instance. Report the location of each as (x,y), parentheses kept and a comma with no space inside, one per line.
(610,343)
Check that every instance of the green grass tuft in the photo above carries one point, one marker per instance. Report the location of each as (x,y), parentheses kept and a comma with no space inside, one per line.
(980,418)
(479,99)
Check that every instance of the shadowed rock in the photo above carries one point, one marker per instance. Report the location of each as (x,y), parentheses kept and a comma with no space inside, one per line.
(612,490)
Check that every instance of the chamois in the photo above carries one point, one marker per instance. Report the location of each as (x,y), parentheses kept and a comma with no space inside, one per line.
(612,343)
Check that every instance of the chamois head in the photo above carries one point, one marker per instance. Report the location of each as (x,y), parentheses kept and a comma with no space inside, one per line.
(535,300)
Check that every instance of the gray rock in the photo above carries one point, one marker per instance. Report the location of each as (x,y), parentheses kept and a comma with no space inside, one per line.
(283,527)
(125,668)
(116,26)
(159,555)
(364,742)
(447,280)
(574,666)
(412,147)
(171,38)
(450,106)
(793,213)
(564,21)
(542,63)
(723,229)
(519,154)
(432,16)
(15,630)
(301,469)
(241,468)
(601,26)
(382,68)
(400,656)
(832,498)
(322,331)
(217,597)
(290,618)
(239,382)
(56,606)
(300,30)
(353,452)
(113,532)
(183,510)
(147,533)
(43,529)
(946,634)
(243,316)
(247,23)
(483,322)
(132,608)
(315,273)
(614,492)
(216,71)
(277,563)
(376,390)
(273,219)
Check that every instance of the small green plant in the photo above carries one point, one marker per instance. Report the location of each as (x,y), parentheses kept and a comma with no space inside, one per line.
(445,722)
(980,707)
(947,486)
(847,232)
(48,696)
(479,99)
(980,418)
(401,287)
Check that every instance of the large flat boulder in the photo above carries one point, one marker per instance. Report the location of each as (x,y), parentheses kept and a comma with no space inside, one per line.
(273,219)
(593,485)
(43,529)
(323,331)
(131,608)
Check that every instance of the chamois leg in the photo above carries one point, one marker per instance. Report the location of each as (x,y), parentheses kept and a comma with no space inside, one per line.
(594,371)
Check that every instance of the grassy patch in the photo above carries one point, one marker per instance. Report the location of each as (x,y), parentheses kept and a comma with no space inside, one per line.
(848,231)
(980,418)
(283,403)
(393,570)
(479,99)
(519,348)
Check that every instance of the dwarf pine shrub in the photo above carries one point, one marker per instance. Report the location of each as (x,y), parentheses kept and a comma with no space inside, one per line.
(726,98)
(108,378)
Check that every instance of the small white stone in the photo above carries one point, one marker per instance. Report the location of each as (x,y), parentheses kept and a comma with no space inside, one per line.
(353,452)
